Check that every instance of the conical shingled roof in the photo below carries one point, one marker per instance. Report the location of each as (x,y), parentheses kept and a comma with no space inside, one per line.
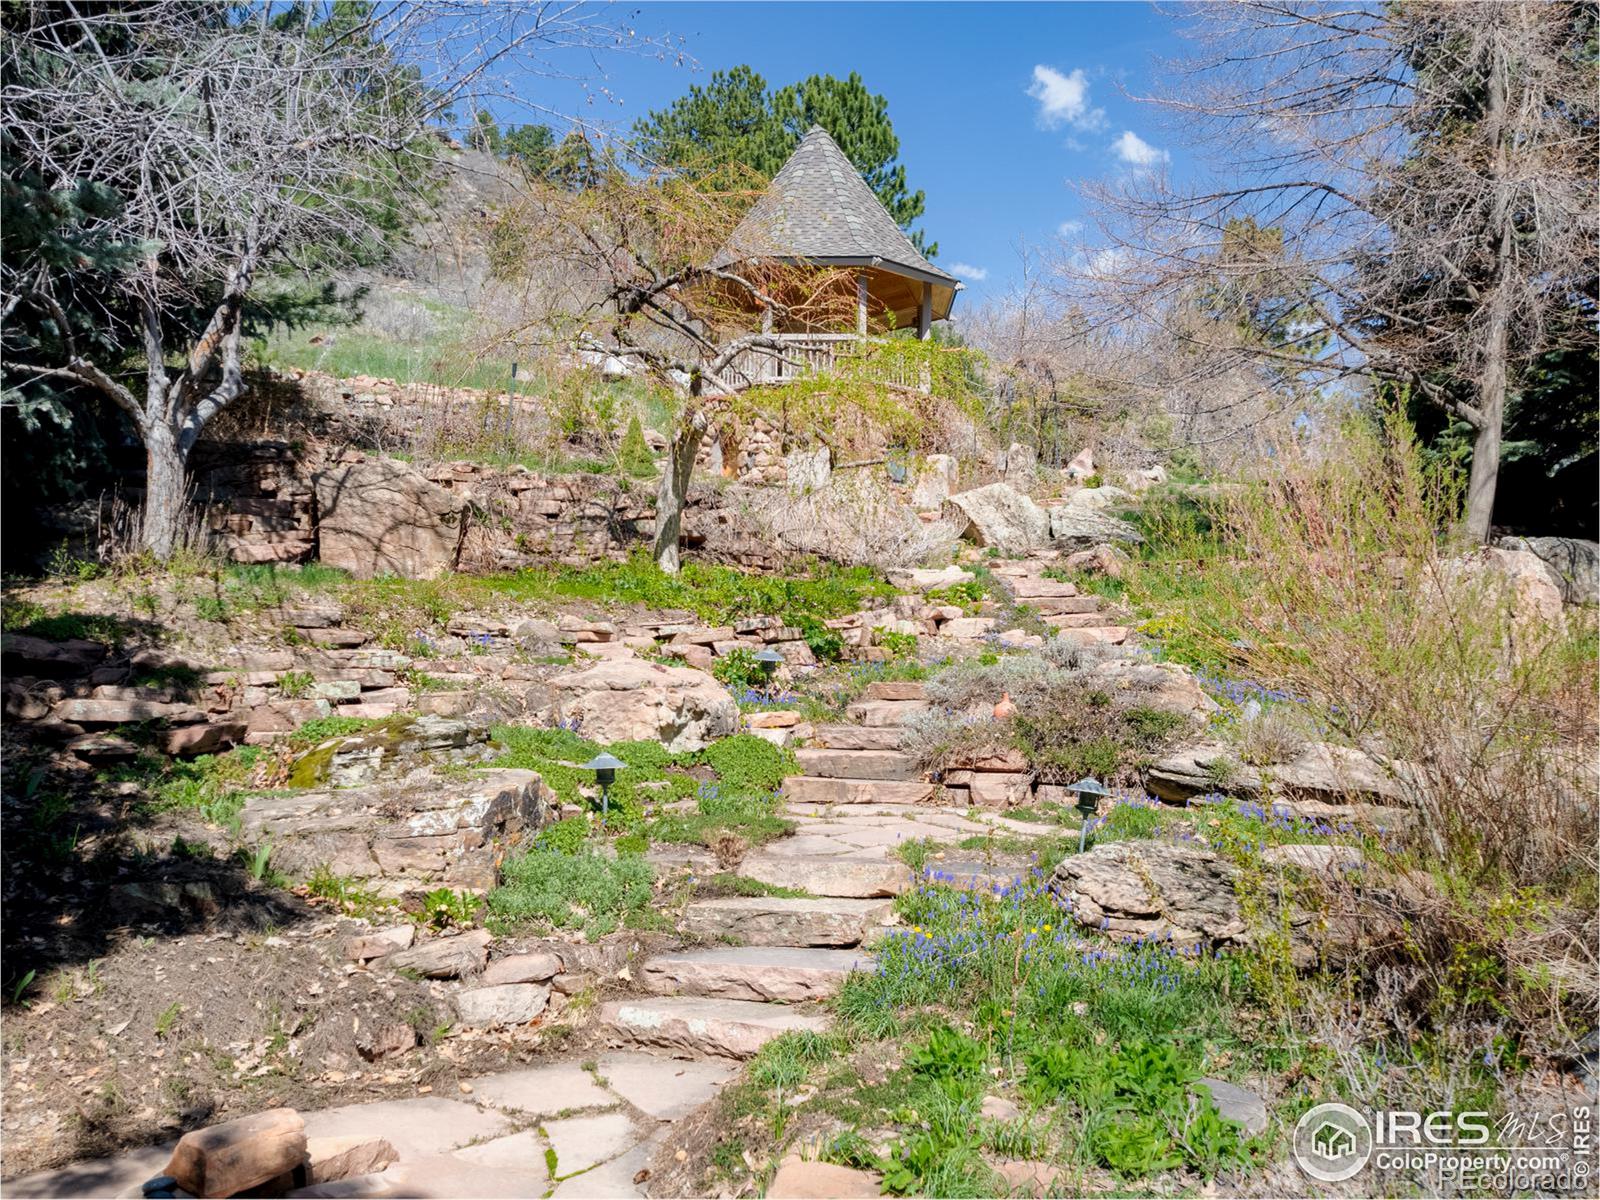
(819,209)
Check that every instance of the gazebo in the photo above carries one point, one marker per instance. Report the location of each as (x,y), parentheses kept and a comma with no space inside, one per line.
(818,211)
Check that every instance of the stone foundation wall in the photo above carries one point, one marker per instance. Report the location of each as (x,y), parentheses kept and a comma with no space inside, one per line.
(259,505)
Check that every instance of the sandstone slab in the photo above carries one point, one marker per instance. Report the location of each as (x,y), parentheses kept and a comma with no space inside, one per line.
(664,1088)
(329,1158)
(829,876)
(502,1004)
(856,737)
(791,974)
(417,1129)
(541,1091)
(723,1028)
(444,958)
(777,921)
(807,789)
(857,764)
(878,714)
(800,1180)
(522,968)
(584,1142)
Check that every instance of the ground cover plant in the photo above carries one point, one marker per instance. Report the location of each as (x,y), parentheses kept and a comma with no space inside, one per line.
(996,992)
(724,797)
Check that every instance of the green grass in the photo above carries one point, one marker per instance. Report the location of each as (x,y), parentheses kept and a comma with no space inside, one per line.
(214,786)
(32,619)
(712,592)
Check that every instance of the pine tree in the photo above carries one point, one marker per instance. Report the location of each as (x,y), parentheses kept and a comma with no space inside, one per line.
(733,118)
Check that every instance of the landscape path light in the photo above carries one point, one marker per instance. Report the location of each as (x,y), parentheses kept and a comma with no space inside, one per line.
(1089,792)
(605,767)
(769,660)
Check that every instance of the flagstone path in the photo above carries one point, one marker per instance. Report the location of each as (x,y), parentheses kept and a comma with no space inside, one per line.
(761,968)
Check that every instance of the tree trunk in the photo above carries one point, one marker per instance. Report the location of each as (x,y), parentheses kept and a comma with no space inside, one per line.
(1485,476)
(670,496)
(1492,370)
(164,486)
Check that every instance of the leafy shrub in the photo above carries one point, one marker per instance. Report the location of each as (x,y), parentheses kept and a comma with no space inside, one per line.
(900,645)
(738,670)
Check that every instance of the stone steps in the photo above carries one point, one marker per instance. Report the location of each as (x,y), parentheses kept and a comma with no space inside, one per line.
(697,1026)
(855,737)
(811,789)
(775,921)
(821,876)
(895,765)
(791,974)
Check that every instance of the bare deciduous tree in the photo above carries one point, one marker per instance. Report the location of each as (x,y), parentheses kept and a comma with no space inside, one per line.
(239,140)
(1426,171)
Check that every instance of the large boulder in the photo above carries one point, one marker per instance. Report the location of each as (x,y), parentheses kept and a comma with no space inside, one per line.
(1099,499)
(637,700)
(808,471)
(384,517)
(425,831)
(1320,773)
(1532,586)
(936,480)
(392,746)
(1575,562)
(998,515)
(1150,889)
(1076,528)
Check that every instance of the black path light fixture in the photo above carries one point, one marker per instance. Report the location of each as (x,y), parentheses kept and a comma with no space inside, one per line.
(605,767)
(769,660)
(1089,792)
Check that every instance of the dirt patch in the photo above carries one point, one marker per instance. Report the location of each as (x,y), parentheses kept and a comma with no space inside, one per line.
(165,1034)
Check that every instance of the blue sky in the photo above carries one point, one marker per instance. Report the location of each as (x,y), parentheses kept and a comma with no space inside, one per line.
(997,106)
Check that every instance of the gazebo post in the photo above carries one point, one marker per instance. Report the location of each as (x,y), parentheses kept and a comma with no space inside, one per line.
(861,304)
(925,313)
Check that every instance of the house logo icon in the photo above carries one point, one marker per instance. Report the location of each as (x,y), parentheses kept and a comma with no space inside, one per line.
(1332,1142)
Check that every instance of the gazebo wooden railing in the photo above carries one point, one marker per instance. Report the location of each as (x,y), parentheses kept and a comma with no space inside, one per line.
(812,354)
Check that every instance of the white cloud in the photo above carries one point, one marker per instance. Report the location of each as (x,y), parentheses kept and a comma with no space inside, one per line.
(1069,228)
(1104,264)
(1064,99)
(1135,151)
(968,271)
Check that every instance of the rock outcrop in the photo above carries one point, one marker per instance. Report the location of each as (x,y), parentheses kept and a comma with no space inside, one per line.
(1150,889)
(428,831)
(1000,516)
(385,517)
(401,743)
(638,700)
(936,480)
(1575,562)
(1077,528)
